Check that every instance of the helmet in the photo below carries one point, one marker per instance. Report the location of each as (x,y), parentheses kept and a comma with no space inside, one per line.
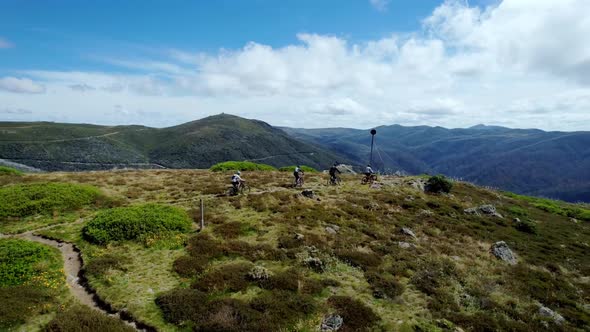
(238,172)
(335,164)
(299,166)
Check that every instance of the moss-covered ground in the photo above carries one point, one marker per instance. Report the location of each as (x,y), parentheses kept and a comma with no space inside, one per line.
(338,252)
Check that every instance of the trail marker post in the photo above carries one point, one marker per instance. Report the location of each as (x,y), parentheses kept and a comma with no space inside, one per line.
(202,215)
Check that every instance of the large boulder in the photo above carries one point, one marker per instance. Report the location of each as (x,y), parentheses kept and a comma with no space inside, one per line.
(502,251)
(331,323)
(546,312)
(486,209)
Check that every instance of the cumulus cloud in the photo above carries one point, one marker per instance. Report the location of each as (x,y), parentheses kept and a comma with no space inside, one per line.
(5,43)
(517,63)
(20,85)
(380,5)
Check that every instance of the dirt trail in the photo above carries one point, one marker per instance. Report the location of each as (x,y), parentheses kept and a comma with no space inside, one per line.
(79,288)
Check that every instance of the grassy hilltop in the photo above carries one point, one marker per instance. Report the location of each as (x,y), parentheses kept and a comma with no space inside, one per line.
(275,260)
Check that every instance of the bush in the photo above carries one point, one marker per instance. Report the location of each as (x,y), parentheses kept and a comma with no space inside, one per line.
(10,171)
(433,274)
(359,259)
(356,315)
(135,223)
(81,318)
(29,199)
(18,259)
(384,285)
(526,227)
(188,266)
(241,166)
(304,168)
(19,303)
(231,277)
(181,305)
(437,184)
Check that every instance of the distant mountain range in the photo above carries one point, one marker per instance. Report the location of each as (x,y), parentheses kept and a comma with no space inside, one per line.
(527,161)
(531,161)
(197,144)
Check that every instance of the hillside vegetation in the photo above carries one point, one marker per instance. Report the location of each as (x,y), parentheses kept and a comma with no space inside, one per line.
(526,161)
(387,257)
(197,144)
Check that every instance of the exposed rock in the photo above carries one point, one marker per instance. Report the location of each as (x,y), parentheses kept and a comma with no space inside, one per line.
(375,186)
(331,323)
(331,230)
(418,184)
(503,252)
(406,245)
(307,193)
(574,220)
(335,227)
(487,209)
(315,264)
(408,232)
(258,273)
(299,236)
(546,312)
(345,169)
(516,220)
(425,213)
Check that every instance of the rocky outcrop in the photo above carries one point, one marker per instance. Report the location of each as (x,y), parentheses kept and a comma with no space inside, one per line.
(331,323)
(408,232)
(502,251)
(546,312)
(258,273)
(486,209)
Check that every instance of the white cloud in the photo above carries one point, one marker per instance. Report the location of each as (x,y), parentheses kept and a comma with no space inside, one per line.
(5,43)
(520,63)
(380,5)
(20,85)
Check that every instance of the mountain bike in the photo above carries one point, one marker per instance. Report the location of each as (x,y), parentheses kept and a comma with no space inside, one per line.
(370,178)
(334,181)
(300,181)
(242,188)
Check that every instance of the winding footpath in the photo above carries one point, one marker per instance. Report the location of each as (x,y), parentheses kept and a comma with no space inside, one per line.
(75,280)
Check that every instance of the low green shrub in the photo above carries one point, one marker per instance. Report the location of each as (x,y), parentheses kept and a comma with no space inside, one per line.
(359,259)
(18,260)
(228,277)
(19,303)
(241,166)
(136,223)
(304,168)
(81,318)
(518,211)
(43,198)
(433,274)
(4,170)
(356,315)
(384,285)
(526,227)
(281,308)
(189,266)
(438,184)
(183,305)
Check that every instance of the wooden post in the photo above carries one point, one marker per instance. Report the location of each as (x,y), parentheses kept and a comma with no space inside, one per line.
(202,215)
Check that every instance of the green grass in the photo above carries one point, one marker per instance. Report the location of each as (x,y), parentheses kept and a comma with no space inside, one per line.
(555,207)
(241,166)
(4,170)
(304,168)
(24,200)
(31,281)
(148,223)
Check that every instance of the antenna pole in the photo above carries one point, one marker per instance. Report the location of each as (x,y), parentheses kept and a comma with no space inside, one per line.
(373,132)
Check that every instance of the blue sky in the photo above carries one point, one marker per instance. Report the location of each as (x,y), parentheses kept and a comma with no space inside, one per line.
(74,35)
(357,63)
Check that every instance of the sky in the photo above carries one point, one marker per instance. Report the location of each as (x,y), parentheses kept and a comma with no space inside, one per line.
(298,63)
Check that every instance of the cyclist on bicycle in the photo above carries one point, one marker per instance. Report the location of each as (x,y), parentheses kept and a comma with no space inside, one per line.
(369,171)
(333,170)
(297,173)
(236,181)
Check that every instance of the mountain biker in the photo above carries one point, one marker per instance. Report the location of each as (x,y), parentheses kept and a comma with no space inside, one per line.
(236,180)
(333,171)
(297,173)
(369,171)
